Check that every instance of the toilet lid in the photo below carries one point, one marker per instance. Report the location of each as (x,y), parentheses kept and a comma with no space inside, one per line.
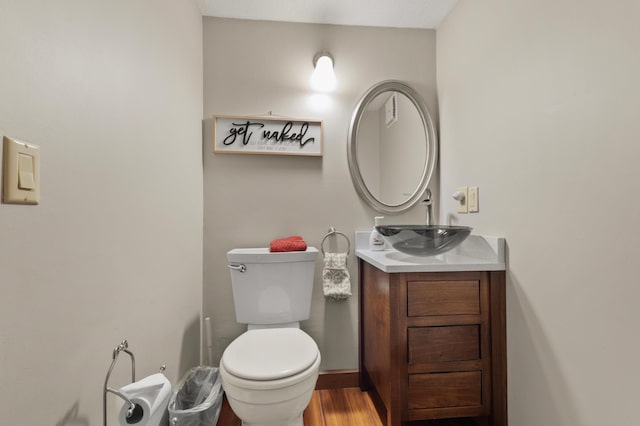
(269,354)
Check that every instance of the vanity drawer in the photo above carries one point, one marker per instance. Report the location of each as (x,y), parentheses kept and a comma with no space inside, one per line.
(443,298)
(441,390)
(443,344)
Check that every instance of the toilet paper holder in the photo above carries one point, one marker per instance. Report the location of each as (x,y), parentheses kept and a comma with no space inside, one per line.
(122,347)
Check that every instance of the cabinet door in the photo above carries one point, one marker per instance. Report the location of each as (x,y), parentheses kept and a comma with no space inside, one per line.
(445,390)
(443,344)
(427,298)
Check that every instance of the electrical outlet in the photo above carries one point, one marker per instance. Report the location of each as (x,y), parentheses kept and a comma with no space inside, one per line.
(462,197)
(474,201)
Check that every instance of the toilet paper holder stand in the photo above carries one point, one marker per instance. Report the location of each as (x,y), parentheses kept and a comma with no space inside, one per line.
(122,347)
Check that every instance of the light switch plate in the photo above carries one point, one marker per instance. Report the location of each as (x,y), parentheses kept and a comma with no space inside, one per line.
(474,201)
(21,172)
(463,202)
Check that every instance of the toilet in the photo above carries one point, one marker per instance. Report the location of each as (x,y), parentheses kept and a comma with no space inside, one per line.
(269,372)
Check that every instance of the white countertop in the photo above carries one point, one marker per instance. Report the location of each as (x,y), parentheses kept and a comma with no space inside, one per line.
(476,253)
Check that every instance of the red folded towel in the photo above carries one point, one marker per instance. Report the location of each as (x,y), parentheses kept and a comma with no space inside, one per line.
(292,243)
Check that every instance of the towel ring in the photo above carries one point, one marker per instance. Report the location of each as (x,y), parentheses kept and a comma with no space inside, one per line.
(332,231)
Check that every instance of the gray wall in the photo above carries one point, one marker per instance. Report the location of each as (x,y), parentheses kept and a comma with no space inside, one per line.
(112,93)
(251,68)
(539,107)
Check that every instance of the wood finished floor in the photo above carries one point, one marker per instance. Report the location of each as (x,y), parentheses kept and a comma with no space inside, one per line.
(342,407)
(328,407)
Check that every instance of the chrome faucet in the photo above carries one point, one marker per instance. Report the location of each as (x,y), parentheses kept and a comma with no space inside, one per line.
(428,204)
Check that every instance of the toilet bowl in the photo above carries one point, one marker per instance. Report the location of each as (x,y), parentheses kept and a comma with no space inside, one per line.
(269,376)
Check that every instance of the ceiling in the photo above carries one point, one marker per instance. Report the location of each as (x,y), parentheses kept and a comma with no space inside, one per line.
(376,13)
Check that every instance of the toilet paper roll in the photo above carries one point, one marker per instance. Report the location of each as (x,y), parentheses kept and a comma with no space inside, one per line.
(151,396)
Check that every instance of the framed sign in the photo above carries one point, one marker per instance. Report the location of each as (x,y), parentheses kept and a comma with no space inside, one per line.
(266,135)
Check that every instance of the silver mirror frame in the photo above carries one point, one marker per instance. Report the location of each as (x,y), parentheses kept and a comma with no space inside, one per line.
(430,136)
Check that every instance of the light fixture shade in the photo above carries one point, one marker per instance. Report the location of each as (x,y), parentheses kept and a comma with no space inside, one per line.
(323,79)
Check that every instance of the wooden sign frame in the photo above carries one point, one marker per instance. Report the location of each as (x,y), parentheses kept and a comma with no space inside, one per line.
(266,135)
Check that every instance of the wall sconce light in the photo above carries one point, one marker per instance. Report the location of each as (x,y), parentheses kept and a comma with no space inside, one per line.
(323,79)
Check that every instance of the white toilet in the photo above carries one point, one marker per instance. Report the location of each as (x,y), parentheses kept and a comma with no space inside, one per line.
(270,371)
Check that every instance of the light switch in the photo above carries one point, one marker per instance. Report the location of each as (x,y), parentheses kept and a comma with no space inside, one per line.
(21,170)
(25,172)
(474,202)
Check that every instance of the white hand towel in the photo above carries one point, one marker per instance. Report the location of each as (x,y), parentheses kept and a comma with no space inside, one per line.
(335,276)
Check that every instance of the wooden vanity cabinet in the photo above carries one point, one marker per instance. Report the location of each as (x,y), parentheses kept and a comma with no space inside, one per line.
(433,345)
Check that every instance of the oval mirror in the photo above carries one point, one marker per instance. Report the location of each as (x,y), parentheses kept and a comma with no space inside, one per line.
(392,147)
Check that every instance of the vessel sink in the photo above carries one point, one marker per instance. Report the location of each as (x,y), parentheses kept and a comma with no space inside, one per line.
(423,240)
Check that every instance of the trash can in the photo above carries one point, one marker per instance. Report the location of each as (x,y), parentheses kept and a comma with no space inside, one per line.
(197,399)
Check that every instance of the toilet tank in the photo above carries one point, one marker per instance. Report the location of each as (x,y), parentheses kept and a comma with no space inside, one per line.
(272,288)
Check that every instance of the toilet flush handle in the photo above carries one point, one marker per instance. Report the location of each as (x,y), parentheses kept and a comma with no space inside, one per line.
(241,268)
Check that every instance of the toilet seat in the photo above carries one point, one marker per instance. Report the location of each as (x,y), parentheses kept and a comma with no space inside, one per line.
(270,354)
